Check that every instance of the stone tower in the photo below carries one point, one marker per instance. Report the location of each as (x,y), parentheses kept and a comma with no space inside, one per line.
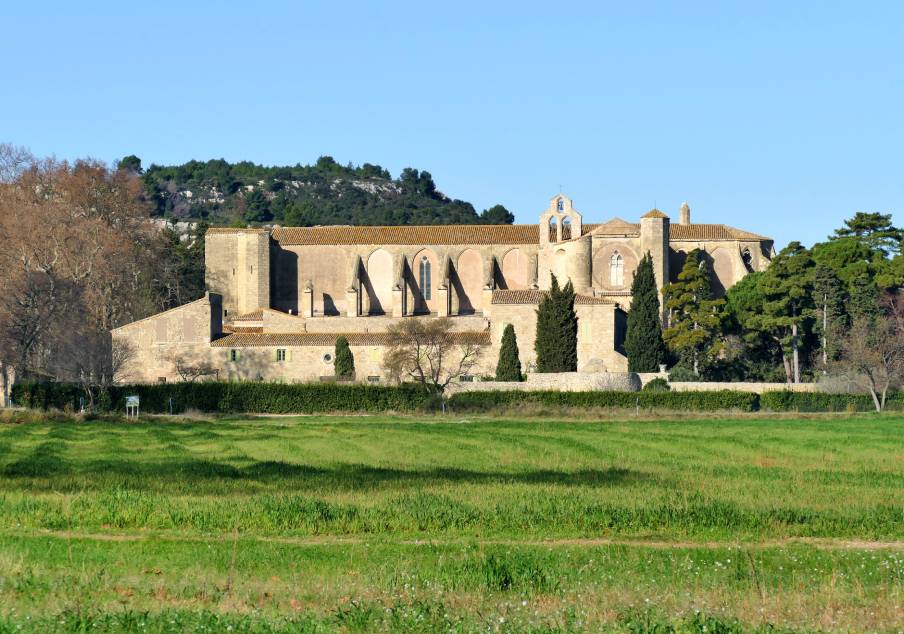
(237,266)
(564,250)
(654,239)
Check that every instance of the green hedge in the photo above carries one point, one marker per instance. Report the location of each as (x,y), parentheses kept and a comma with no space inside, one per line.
(698,401)
(271,398)
(278,398)
(785,401)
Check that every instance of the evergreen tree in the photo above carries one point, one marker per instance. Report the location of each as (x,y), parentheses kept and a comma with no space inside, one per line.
(643,341)
(557,330)
(694,317)
(875,230)
(509,366)
(344,361)
(832,318)
(787,287)
(864,295)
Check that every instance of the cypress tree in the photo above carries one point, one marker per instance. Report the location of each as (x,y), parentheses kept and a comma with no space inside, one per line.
(345,361)
(509,366)
(568,321)
(557,330)
(643,341)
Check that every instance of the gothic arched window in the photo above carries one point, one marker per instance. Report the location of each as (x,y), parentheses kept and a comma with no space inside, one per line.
(425,278)
(616,270)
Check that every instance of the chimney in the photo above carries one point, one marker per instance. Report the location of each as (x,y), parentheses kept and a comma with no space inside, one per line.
(684,214)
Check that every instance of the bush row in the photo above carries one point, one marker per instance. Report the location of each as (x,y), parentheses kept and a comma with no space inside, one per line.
(696,401)
(279,398)
(264,398)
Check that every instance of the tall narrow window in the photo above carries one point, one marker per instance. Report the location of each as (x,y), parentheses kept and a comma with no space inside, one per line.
(616,270)
(560,205)
(425,278)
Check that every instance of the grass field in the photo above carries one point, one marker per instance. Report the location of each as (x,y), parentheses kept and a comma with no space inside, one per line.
(407,524)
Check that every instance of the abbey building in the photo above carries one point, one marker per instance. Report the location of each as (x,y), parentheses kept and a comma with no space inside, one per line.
(278,298)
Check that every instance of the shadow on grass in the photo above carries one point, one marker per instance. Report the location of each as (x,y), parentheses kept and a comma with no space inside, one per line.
(45,462)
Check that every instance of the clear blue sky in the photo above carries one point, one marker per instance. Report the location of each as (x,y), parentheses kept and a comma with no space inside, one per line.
(779,117)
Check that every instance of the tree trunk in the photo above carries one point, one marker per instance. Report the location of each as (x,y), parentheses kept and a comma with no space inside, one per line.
(787,363)
(796,353)
(876,403)
(825,326)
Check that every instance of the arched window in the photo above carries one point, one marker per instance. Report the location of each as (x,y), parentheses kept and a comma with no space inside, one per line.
(425,278)
(616,270)
(560,204)
(566,228)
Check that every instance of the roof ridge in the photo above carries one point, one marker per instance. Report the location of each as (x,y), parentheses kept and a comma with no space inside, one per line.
(168,310)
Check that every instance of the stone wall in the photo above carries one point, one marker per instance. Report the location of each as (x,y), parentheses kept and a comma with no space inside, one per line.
(184,332)
(759,388)
(560,381)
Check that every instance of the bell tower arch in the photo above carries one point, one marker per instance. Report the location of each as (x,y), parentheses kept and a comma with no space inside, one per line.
(560,222)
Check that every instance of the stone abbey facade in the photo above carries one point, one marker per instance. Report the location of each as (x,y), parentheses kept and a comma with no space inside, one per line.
(278,298)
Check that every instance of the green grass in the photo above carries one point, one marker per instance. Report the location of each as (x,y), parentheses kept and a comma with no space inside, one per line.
(406,524)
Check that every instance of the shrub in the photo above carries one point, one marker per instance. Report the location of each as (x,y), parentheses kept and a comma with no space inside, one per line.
(680,373)
(694,401)
(345,360)
(657,385)
(787,401)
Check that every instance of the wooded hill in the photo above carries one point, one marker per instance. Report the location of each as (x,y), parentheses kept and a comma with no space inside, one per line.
(220,192)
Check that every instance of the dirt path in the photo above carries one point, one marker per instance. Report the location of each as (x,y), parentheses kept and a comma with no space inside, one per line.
(827,543)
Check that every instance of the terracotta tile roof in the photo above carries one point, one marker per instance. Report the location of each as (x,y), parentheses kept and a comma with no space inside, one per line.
(237,230)
(254,315)
(479,234)
(420,235)
(613,227)
(242,329)
(654,213)
(256,340)
(533,296)
(711,232)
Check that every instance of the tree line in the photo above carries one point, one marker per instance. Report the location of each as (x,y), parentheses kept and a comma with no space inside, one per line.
(831,312)
(81,256)
(325,193)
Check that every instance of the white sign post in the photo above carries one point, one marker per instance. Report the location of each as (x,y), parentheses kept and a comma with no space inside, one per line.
(132,406)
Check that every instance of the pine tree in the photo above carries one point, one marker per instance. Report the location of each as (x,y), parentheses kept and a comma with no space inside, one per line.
(787,287)
(694,317)
(643,341)
(509,366)
(557,330)
(832,317)
(345,361)
(864,295)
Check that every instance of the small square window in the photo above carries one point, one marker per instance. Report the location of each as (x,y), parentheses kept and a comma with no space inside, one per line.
(280,354)
(161,379)
(373,379)
(233,355)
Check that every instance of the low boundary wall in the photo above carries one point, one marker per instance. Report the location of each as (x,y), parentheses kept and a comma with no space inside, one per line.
(620,382)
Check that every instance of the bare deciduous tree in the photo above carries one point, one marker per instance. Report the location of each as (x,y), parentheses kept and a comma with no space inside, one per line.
(872,355)
(428,352)
(191,369)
